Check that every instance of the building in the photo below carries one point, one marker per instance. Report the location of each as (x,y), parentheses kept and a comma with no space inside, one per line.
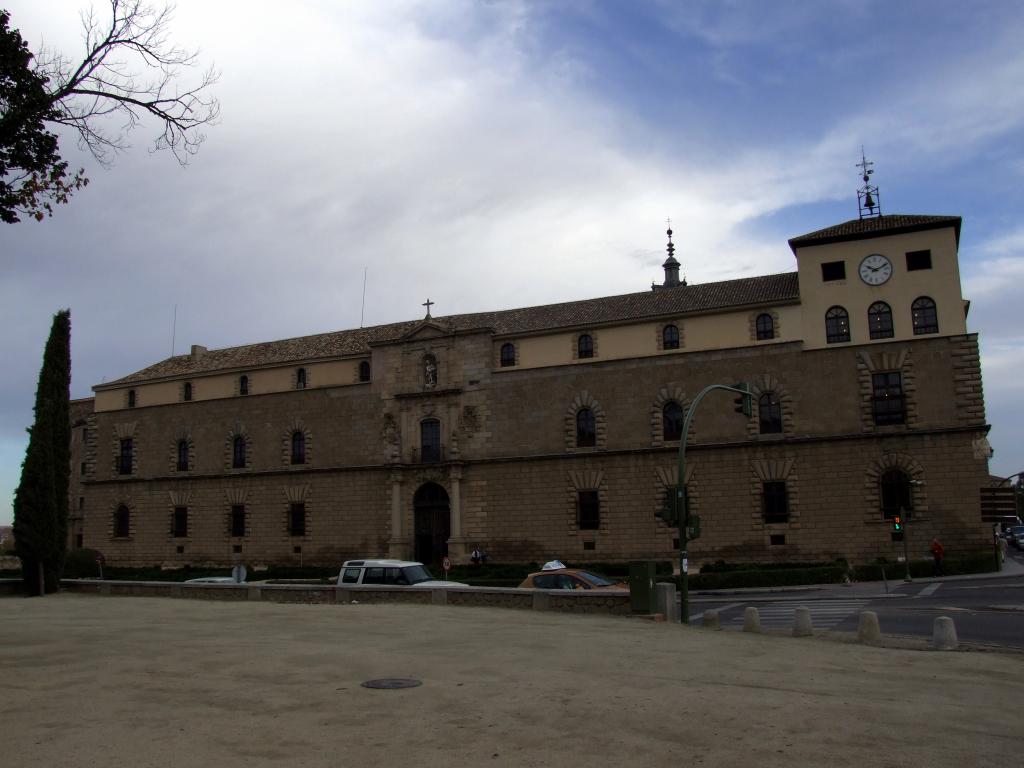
(553,431)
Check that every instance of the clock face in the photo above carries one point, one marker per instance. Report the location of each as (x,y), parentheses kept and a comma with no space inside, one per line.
(875,269)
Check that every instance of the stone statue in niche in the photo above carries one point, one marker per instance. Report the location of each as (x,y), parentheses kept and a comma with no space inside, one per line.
(429,371)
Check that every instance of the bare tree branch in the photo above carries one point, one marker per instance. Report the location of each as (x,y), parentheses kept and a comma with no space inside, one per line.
(130,67)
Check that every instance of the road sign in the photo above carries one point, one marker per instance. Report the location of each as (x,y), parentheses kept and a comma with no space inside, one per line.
(446,564)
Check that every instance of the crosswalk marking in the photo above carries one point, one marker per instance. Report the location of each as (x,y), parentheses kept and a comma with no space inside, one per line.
(930,589)
(825,614)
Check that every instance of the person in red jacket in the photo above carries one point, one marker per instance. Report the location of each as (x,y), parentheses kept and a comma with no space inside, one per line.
(938,552)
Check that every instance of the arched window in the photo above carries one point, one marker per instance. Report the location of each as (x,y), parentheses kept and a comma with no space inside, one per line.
(364,371)
(131,398)
(430,440)
(298,447)
(188,390)
(122,523)
(585,346)
(895,492)
(586,428)
(924,316)
(238,452)
(183,455)
(670,337)
(672,421)
(508,355)
(300,378)
(880,320)
(765,326)
(837,325)
(243,385)
(769,414)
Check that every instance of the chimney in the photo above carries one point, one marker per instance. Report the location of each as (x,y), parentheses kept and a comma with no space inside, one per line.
(197,351)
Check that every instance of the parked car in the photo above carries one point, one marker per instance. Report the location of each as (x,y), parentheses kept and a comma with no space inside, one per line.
(390,573)
(1015,536)
(570,578)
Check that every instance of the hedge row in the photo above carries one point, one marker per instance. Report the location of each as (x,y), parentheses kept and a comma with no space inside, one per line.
(779,577)
(978,562)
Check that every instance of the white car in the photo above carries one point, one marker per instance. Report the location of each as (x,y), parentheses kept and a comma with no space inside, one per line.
(390,573)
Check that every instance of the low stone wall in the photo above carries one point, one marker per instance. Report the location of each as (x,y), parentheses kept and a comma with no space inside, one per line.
(583,601)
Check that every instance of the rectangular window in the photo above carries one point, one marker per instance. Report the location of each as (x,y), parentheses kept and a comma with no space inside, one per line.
(919,260)
(297,519)
(430,440)
(589,510)
(776,539)
(833,270)
(238,520)
(82,468)
(887,401)
(180,522)
(124,464)
(775,501)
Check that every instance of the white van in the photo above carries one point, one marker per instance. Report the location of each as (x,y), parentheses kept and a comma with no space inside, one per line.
(390,573)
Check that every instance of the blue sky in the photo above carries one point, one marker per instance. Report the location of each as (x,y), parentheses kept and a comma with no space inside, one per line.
(501,154)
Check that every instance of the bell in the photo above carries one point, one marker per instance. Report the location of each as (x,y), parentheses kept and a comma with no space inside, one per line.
(869,201)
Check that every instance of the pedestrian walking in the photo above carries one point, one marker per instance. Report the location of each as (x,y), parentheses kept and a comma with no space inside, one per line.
(938,552)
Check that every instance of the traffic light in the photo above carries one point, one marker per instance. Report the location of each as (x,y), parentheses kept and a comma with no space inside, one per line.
(670,510)
(897,523)
(742,404)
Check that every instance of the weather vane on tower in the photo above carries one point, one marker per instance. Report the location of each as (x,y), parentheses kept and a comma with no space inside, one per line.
(868,202)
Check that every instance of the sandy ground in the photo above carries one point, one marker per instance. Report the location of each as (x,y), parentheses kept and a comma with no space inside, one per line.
(91,681)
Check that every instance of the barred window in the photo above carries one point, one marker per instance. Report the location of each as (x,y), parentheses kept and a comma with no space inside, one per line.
(238,520)
(670,337)
(769,414)
(586,428)
(896,495)
(887,400)
(298,447)
(837,325)
(124,459)
(588,507)
(880,320)
(585,346)
(774,501)
(297,519)
(122,522)
(508,355)
(672,421)
(180,524)
(765,325)
(924,315)
(238,452)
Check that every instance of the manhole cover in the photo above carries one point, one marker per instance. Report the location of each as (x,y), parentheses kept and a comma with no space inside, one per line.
(392,682)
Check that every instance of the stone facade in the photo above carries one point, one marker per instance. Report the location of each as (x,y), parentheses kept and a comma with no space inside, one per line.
(445,449)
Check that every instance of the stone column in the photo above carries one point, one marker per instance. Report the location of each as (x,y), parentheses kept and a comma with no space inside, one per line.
(398,545)
(456,541)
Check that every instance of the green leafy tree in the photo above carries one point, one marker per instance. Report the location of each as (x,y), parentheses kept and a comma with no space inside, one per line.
(41,500)
(130,69)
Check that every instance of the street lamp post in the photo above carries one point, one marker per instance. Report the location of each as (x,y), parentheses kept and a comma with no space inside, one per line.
(681,501)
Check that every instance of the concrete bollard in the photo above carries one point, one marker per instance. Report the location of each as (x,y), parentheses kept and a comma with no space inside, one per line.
(944,634)
(666,601)
(711,620)
(802,622)
(751,619)
(868,630)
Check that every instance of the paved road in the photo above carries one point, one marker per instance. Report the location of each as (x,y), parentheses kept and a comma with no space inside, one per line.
(987,610)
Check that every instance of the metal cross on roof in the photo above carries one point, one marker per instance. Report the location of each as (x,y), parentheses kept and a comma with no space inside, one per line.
(428,304)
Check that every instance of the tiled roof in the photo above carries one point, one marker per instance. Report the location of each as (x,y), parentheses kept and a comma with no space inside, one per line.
(877,226)
(766,289)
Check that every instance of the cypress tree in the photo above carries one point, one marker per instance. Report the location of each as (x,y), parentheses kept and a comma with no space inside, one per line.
(41,501)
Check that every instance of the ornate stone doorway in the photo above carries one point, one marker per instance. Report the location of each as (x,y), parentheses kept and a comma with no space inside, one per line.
(432,523)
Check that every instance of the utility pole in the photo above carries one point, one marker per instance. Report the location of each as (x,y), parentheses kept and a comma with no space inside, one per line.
(681,508)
